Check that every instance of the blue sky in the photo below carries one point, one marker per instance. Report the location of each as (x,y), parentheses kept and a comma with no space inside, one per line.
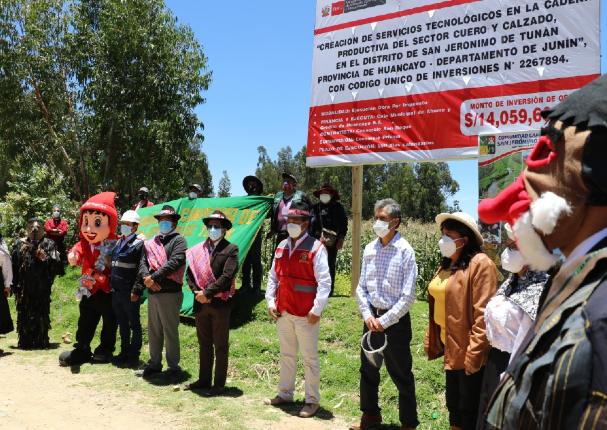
(261,57)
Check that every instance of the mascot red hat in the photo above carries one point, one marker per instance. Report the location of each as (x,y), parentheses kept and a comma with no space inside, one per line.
(104,203)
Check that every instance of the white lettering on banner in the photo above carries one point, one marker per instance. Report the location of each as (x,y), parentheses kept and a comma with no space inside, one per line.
(440,77)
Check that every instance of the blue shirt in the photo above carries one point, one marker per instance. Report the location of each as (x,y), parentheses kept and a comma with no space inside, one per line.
(387,280)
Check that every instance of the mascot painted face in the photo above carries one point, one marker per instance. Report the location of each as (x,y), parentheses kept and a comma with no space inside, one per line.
(547,205)
(98,218)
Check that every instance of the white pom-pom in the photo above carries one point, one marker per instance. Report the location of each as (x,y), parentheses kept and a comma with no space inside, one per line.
(546,211)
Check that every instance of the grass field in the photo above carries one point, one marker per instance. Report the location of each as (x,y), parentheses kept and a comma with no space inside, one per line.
(254,366)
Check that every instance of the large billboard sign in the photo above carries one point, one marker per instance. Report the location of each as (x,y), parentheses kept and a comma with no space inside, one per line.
(419,80)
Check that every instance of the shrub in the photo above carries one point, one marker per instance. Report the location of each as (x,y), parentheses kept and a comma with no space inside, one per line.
(33,195)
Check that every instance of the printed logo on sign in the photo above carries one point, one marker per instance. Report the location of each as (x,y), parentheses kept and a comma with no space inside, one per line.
(491,144)
(325,11)
(337,8)
(482,145)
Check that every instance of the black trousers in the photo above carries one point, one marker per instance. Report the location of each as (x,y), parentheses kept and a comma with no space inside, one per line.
(463,394)
(92,310)
(63,256)
(398,360)
(332,257)
(213,331)
(496,365)
(253,260)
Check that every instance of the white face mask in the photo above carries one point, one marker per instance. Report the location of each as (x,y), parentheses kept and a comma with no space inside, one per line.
(325,198)
(214,233)
(192,195)
(294,230)
(381,228)
(512,261)
(125,230)
(56,214)
(447,246)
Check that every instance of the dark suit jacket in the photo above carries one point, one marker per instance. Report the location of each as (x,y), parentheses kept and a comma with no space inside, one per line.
(224,264)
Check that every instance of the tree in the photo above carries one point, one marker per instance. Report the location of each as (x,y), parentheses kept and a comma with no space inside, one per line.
(422,189)
(104,92)
(223,190)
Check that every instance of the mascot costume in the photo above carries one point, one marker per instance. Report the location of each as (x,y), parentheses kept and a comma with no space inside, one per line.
(558,377)
(98,220)
(35,264)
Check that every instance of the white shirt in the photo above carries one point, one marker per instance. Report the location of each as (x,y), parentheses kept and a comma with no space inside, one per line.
(506,324)
(585,246)
(320,265)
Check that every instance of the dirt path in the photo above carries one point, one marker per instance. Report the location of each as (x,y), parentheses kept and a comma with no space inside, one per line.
(42,395)
(35,396)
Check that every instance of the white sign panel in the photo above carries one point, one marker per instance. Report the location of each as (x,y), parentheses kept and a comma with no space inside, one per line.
(419,80)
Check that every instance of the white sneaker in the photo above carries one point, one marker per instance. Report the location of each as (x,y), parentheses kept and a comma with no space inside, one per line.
(309,410)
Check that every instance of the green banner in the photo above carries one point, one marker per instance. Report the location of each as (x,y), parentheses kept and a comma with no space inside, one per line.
(246,213)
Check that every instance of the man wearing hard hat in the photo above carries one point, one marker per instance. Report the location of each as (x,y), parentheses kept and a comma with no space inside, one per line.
(127,288)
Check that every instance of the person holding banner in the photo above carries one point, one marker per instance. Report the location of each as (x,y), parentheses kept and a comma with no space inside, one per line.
(254,187)
(329,224)
(281,205)
(211,275)
(162,268)
(385,293)
(296,293)
(143,195)
(194,191)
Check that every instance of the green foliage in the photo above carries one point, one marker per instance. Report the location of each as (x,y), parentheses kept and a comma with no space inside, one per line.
(422,189)
(104,92)
(223,189)
(33,195)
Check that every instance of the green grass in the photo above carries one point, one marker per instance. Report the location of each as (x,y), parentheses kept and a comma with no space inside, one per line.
(254,365)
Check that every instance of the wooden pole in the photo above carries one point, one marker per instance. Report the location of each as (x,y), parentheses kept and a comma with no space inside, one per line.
(357,204)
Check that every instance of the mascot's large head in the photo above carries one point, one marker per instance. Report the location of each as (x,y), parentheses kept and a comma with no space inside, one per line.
(98,218)
(566,173)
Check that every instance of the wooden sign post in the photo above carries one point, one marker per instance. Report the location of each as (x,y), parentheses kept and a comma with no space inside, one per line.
(357,205)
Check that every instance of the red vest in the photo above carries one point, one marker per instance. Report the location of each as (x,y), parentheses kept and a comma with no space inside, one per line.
(296,282)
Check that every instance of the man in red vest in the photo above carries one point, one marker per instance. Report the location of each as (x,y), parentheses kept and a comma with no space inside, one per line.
(298,289)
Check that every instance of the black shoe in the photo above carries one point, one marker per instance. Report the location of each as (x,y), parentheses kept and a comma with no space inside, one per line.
(120,358)
(174,376)
(132,362)
(256,290)
(101,358)
(74,357)
(244,289)
(147,372)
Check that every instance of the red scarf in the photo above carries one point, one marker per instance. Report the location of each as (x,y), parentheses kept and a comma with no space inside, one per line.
(199,260)
(157,257)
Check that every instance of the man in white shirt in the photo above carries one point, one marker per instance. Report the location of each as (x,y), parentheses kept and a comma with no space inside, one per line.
(385,293)
(298,288)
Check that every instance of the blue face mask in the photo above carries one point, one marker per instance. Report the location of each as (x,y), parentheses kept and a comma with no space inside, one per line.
(125,230)
(214,233)
(165,226)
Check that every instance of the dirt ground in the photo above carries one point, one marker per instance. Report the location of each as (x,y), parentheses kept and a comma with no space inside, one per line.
(39,395)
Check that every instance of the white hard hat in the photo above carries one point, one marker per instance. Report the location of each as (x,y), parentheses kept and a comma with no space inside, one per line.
(131,216)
